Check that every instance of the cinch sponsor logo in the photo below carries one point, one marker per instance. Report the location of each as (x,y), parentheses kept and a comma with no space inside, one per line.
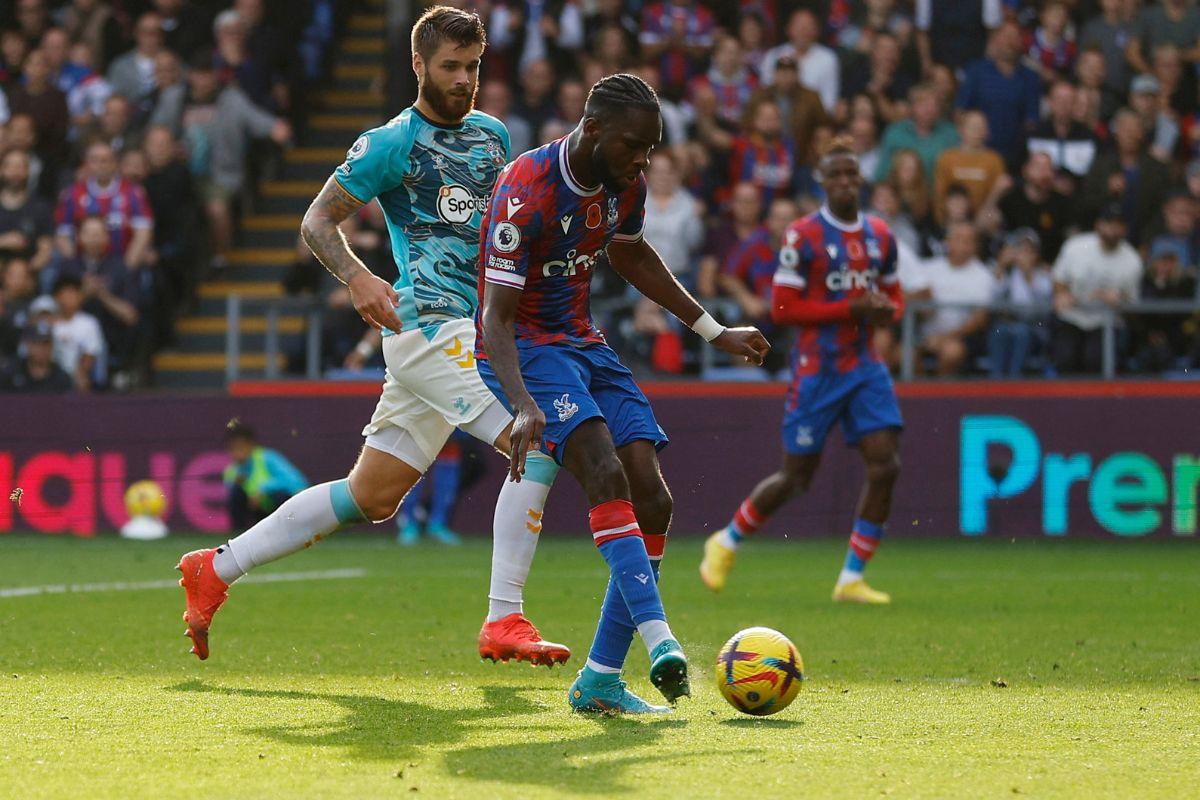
(82,493)
(1128,493)
(571,266)
(844,280)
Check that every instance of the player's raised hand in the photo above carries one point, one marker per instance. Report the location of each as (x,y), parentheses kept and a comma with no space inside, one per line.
(375,301)
(526,435)
(746,342)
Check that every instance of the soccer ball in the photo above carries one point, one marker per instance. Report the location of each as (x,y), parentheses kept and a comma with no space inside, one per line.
(759,671)
(145,499)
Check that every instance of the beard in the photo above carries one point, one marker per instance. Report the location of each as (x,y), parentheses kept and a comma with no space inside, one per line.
(447,105)
(604,174)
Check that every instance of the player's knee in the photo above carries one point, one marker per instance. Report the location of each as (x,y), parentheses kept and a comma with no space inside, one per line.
(378,504)
(654,508)
(605,477)
(795,480)
(884,471)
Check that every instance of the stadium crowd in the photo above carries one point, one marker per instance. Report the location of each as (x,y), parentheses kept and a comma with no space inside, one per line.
(1038,159)
(129,135)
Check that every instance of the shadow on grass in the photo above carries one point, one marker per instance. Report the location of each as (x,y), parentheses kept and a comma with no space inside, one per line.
(761,722)
(378,729)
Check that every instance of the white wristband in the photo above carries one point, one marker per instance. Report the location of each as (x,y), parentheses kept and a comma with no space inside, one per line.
(707,327)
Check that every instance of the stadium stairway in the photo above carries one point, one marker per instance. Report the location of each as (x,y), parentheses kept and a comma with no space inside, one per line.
(266,243)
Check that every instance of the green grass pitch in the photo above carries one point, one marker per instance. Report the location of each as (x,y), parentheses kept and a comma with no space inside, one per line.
(1047,669)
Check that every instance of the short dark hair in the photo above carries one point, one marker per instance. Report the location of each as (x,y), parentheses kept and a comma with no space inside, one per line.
(440,23)
(841,145)
(66,282)
(617,93)
(236,429)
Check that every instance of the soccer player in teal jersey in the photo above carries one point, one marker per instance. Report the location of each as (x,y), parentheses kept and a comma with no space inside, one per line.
(432,169)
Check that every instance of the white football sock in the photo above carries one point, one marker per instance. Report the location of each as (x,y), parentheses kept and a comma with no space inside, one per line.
(515,533)
(727,540)
(654,632)
(848,576)
(301,521)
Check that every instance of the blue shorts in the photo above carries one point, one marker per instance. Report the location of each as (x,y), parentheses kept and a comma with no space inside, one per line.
(863,400)
(574,384)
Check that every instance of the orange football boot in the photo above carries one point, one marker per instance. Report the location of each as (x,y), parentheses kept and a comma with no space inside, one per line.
(205,594)
(516,637)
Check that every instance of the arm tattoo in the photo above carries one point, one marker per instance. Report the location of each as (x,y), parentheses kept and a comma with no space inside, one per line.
(321,233)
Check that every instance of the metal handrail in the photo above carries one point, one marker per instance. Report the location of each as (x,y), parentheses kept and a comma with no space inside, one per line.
(234,312)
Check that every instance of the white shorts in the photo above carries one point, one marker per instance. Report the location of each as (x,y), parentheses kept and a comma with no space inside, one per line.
(431,388)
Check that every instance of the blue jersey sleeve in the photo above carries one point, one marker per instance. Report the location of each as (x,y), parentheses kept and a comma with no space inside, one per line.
(375,162)
(515,222)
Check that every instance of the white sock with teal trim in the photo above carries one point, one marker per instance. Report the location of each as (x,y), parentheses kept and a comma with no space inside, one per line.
(516,529)
(300,522)
(654,632)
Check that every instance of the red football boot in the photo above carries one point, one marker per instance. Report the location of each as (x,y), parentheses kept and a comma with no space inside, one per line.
(516,637)
(205,594)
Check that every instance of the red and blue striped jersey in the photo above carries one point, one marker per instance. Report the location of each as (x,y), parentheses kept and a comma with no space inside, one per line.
(823,265)
(541,234)
(771,166)
(122,205)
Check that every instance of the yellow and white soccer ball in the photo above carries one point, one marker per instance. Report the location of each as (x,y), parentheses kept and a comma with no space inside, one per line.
(145,499)
(759,671)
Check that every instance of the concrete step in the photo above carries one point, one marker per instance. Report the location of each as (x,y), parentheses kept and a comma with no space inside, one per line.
(343,100)
(254,290)
(281,238)
(358,72)
(202,325)
(272,222)
(325,156)
(303,190)
(261,257)
(362,45)
(352,124)
(175,361)
(366,23)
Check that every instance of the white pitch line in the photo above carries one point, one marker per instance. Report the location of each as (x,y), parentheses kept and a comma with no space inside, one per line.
(130,586)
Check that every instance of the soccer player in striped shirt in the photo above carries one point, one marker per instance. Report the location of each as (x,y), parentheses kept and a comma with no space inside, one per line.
(836,279)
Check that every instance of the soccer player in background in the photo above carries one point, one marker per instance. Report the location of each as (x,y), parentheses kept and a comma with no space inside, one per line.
(432,169)
(555,213)
(836,280)
(259,479)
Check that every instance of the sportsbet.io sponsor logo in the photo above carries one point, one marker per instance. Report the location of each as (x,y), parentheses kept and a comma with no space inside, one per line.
(456,205)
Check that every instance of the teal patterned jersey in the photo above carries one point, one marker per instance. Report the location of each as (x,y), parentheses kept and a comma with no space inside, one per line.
(433,182)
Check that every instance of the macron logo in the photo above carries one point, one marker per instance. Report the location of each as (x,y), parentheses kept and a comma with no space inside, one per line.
(514,205)
(643,577)
(566,223)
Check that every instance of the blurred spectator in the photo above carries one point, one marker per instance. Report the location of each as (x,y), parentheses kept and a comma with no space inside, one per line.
(885,204)
(955,209)
(1175,22)
(1178,225)
(865,134)
(611,49)
(731,80)
(1070,145)
(1006,91)
(1033,203)
(217,125)
(676,35)
(729,236)
(495,98)
(1167,67)
(1129,175)
(185,27)
(953,32)
(971,165)
(36,371)
(248,54)
(1109,32)
(761,155)
(952,335)
(172,194)
(907,177)
(10,332)
(258,480)
(110,289)
(1161,127)
(800,106)
(927,133)
(525,31)
(819,68)
(26,222)
(19,288)
(1160,342)
(883,82)
(536,100)
(1094,270)
(674,218)
(747,272)
(87,91)
(132,74)
(33,18)
(113,126)
(102,192)
(1093,93)
(79,346)
(93,23)
(1051,47)
(1023,281)
(45,104)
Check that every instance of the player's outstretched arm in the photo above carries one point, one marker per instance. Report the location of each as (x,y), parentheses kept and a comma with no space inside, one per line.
(499,316)
(374,298)
(640,264)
